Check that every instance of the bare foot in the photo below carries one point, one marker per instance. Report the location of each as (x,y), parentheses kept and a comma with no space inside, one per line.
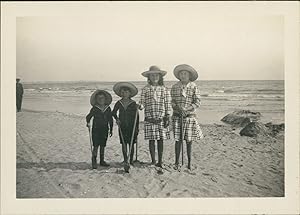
(158,165)
(176,167)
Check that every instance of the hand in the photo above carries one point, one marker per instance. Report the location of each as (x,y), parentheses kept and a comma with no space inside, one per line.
(88,125)
(138,106)
(118,122)
(176,107)
(110,134)
(166,121)
(184,112)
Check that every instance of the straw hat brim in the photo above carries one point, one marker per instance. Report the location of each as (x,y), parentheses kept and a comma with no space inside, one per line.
(108,97)
(185,67)
(118,86)
(147,73)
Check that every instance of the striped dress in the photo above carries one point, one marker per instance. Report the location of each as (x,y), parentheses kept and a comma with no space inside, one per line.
(156,101)
(185,96)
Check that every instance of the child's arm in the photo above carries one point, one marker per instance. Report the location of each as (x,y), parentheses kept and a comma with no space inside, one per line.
(175,107)
(168,108)
(114,112)
(137,119)
(195,101)
(110,121)
(141,103)
(137,124)
(89,116)
(168,102)
(196,98)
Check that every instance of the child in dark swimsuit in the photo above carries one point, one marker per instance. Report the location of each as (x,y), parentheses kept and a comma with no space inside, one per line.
(102,124)
(127,109)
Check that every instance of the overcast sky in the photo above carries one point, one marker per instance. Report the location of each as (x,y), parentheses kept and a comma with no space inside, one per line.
(122,42)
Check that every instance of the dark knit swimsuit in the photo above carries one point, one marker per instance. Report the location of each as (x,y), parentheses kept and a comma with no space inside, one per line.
(102,122)
(126,116)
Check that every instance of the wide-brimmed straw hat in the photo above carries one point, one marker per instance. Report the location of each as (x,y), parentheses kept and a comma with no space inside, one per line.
(154,70)
(188,68)
(118,87)
(108,97)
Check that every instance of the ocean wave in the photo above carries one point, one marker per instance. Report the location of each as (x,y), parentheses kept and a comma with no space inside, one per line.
(204,95)
(58,90)
(270,90)
(89,91)
(270,96)
(254,91)
(243,95)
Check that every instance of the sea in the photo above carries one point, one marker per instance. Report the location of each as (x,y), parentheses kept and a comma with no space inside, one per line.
(218,97)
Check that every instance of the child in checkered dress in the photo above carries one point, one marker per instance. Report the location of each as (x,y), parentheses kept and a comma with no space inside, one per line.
(185,100)
(156,102)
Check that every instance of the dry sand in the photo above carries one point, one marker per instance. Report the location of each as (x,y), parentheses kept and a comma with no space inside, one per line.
(54,161)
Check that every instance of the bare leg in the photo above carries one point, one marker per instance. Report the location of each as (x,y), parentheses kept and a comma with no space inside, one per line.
(124,151)
(94,157)
(177,152)
(160,149)
(189,153)
(152,150)
(102,162)
(131,154)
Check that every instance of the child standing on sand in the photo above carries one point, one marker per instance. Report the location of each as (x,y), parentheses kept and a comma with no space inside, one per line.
(127,109)
(185,99)
(156,102)
(102,124)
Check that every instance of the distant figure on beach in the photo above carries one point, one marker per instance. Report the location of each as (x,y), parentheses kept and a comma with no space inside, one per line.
(126,108)
(156,102)
(19,92)
(102,124)
(185,99)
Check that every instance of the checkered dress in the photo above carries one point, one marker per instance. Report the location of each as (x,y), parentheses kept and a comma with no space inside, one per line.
(185,97)
(156,102)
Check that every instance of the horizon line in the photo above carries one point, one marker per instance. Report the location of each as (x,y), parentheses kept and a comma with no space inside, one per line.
(55,81)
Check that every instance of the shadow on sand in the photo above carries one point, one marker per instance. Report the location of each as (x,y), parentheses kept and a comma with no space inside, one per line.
(75,165)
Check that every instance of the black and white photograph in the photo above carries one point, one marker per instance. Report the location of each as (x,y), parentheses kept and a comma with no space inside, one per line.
(141,100)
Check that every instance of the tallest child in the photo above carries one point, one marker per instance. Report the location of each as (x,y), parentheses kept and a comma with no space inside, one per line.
(185,100)
(156,102)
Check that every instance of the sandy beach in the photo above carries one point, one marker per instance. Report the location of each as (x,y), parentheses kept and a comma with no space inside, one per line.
(243,60)
(54,161)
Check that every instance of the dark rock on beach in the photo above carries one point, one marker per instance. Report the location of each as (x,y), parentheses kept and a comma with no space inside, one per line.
(253,129)
(241,118)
